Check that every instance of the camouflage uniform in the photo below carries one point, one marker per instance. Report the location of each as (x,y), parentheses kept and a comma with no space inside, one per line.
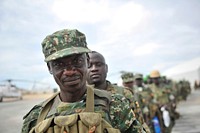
(184,89)
(135,98)
(62,44)
(162,100)
(146,96)
(120,115)
(171,91)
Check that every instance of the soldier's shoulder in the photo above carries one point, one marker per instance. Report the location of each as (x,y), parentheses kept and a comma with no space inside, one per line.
(117,96)
(38,107)
(116,86)
(119,100)
(128,90)
(30,119)
(122,116)
(113,88)
(34,110)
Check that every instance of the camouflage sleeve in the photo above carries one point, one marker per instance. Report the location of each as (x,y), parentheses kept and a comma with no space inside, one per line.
(30,119)
(122,116)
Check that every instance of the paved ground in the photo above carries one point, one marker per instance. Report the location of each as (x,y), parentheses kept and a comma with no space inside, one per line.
(12,112)
(189,122)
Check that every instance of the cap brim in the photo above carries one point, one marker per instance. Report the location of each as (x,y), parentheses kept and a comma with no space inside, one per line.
(67,52)
(137,77)
(154,76)
(128,80)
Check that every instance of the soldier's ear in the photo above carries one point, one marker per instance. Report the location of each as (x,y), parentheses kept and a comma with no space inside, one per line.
(106,68)
(49,67)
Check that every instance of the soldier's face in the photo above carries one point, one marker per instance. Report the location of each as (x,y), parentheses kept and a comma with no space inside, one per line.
(70,72)
(156,80)
(128,84)
(138,82)
(97,69)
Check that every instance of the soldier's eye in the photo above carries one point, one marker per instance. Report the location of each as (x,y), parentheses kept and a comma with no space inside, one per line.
(57,65)
(99,64)
(78,62)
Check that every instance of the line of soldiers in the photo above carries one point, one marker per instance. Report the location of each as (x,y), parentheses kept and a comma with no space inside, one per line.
(88,102)
(152,98)
(158,98)
(96,76)
(78,107)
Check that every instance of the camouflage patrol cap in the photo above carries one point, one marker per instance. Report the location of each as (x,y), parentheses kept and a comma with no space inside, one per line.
(64,43)
(155,74)
(127,77)
(138,76)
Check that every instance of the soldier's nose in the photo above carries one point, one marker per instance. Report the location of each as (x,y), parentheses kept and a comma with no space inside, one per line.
(68,72)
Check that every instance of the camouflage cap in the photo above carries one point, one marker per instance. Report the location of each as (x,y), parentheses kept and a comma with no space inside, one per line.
(138,76)
(64,43)
(127,77)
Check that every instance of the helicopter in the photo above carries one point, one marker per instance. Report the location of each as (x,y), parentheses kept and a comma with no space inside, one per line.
(10,90)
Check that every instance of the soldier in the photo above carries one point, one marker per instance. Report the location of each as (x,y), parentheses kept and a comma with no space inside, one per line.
(128,82)
(66,56)
(171,89)
(97,73)
(147,97)
(185,89)
(161,99)
(135,97)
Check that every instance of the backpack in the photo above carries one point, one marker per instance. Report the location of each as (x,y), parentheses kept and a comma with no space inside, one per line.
(84,122)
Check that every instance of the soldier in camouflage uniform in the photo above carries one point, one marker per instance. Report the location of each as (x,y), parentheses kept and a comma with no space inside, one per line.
(136,98)
(97,73)
(147,97)
(161,99)
(172,91)
(66,56)
(184,89)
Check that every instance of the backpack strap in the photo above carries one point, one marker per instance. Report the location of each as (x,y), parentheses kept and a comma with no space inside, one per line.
(90,100)
(46,107)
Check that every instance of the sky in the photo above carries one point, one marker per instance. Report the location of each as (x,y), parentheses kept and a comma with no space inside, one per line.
(133,35)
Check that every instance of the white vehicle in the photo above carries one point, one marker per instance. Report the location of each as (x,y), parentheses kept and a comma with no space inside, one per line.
(9,91)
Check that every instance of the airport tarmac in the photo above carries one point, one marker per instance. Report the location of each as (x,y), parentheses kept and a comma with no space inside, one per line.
(189,122)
